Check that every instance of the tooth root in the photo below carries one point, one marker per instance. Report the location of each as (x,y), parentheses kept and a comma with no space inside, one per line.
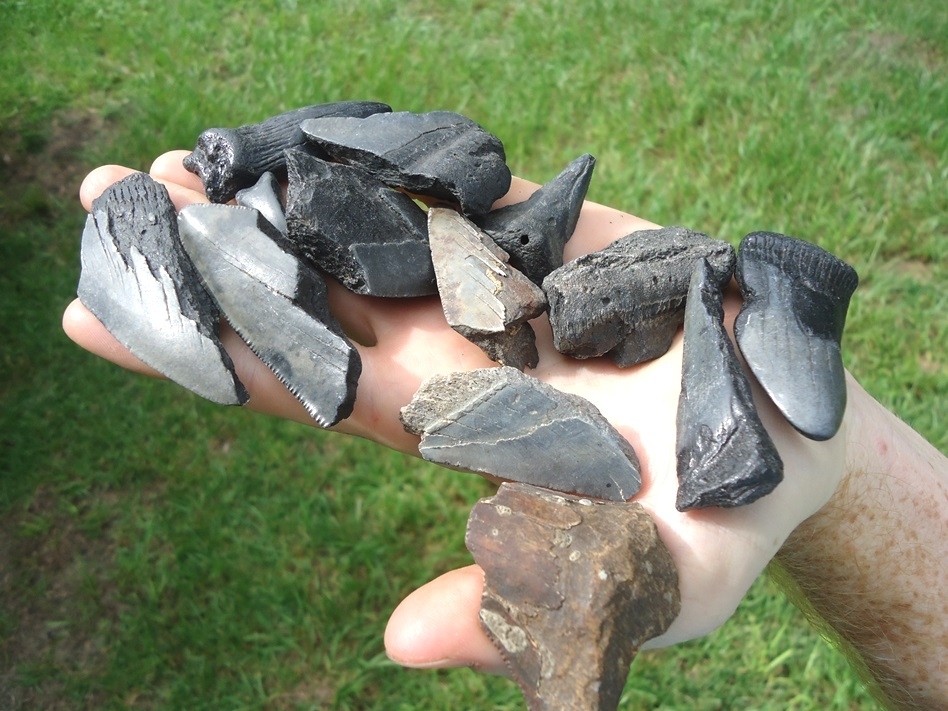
(230,159)
(628,299)
(371,238)
(138,281)
(790,328)
(572,588)
(503,423)
(275,303)
(439,154)
(535,232)
(725,456)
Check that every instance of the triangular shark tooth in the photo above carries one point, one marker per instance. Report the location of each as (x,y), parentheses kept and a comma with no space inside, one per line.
(790,328)
(535,231)
(276,303)
(266,197)
(484,299)
(725,456)
(138,281)
(501,422)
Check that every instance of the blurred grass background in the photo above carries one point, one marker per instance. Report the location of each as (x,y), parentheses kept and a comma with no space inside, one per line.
(157,552)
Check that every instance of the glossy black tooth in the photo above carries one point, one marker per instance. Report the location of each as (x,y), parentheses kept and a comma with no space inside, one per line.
(371,238)
(628,299)
(534,232)
(440,154)
(789,331)
(484,299)
(725,456)
(138,281)
(572,588)
(230,159)
(266,197)
(276,303)
(503,423)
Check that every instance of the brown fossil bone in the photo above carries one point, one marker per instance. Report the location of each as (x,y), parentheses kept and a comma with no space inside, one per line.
(572,588)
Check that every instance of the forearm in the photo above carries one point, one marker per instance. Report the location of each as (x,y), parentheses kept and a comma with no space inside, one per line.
(872,565)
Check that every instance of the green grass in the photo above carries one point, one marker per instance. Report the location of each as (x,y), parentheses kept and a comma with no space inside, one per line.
(158,552)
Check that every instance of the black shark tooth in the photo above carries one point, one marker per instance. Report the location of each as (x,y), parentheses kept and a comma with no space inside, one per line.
(138,281)
(535,231)
(440,154)
(725,456)
(230,159)
(795,300)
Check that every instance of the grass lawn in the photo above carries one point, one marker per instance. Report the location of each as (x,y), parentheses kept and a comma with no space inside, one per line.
(157,552)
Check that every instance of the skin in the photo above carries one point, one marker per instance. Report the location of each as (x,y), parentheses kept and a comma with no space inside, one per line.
(718,552)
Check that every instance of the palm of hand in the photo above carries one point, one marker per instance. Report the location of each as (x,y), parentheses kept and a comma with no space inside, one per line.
(718,552)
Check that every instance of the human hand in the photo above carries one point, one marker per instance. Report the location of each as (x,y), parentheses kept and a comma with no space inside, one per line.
(718,552)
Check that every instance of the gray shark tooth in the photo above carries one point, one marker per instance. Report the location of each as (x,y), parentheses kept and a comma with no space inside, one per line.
(572,588)
(484,299)
(229,159)
(276,303)
(790,328)
(440,154)
(725,456)
(503,423)
(266,197)
(535,231)
(371,238)
(138,281)
(628,299)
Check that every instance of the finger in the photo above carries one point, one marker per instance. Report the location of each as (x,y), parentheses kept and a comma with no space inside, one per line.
(96,182)
(88,332)
(437,626)
(169,167)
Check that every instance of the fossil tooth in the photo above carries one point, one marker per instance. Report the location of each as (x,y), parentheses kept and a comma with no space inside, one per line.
(439,154)
(790,328)
(266,197)
(484,299)
(535,231)
(276,303)
(572,588)
(628,299)
(503,423)
(229,159)
(138,281)
(371,238)
(725,456)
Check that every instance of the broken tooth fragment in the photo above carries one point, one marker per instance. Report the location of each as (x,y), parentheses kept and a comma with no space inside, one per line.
(139,282)
(276,303)
(789,331)
(229,159)
(484,299)
(572,588)
(503,423)
(725,456)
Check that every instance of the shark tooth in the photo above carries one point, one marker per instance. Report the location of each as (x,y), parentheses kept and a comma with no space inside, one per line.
(138,281)
(484,299)
(371,238)
(791,326)
(229,159)
(439,154)
(276,303)
(725,456)
(572,588)
(628,299)
(535,231)
(503,423)
(266,197)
